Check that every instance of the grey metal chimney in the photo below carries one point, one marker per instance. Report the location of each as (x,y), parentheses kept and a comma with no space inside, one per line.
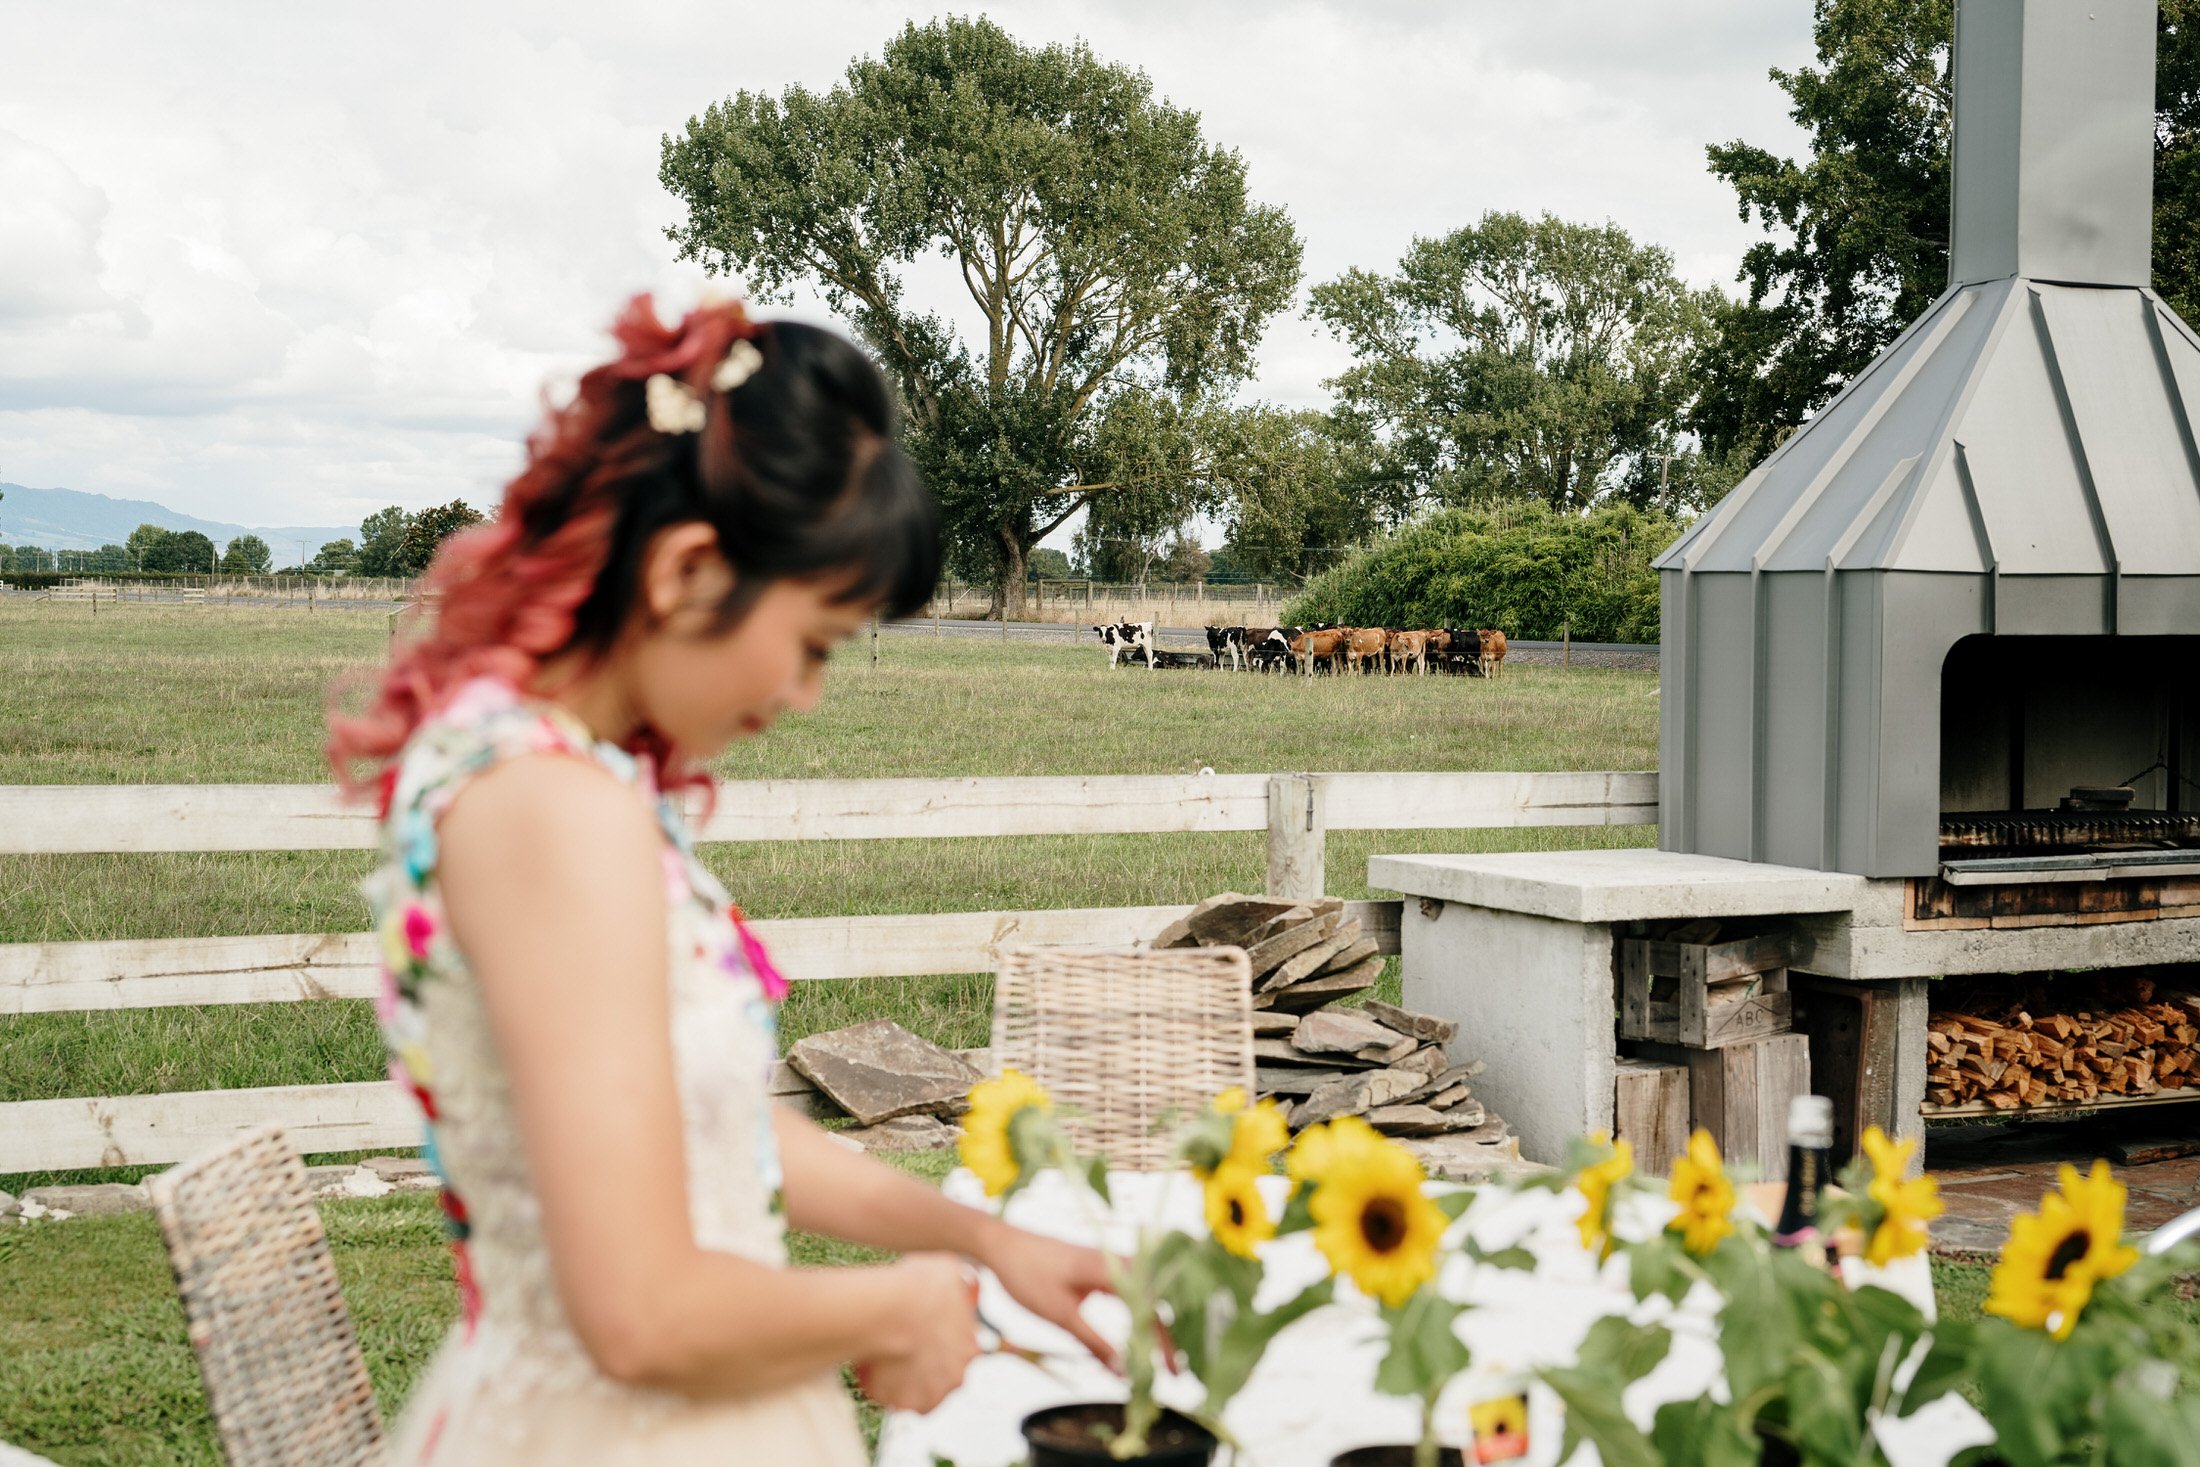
(2054,141)
(2017,473)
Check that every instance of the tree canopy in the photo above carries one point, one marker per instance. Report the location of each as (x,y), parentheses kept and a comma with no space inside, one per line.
(247,555)
(335,558)
(1516,358)
(1118,272)
(426,531)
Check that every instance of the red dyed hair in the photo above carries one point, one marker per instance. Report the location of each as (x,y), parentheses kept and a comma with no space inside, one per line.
(506,592)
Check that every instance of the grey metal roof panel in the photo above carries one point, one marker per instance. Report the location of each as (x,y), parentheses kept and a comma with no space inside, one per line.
(2129,424)
(2029,428)
(1809,467)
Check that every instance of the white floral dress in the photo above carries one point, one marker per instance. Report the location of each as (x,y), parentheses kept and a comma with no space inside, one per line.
(513,1384)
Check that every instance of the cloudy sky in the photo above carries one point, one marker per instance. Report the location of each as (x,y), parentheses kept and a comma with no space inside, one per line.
(281,264)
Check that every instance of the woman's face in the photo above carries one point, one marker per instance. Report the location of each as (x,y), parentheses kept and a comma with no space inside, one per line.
(703,686)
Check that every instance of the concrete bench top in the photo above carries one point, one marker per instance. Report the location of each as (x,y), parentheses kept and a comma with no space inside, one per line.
(1617,885)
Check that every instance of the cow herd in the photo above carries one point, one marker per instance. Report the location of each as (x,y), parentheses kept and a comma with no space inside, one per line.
(1324,646)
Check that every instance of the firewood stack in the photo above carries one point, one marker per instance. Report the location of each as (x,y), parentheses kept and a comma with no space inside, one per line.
(2131,1042)
(1377,1061)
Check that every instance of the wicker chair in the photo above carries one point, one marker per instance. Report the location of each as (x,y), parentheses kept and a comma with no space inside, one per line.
(1124,1039)
(284,1376)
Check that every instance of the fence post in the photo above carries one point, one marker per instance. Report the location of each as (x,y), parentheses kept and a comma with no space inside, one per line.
(1566,643)
(1297,836)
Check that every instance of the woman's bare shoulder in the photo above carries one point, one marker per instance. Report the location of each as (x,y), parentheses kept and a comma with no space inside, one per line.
(547,810)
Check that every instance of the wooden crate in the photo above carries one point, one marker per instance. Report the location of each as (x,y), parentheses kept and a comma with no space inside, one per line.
(1740,1094)
(1650,1112)
(1704,995)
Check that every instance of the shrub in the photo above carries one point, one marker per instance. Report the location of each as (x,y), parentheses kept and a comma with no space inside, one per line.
(1524,568)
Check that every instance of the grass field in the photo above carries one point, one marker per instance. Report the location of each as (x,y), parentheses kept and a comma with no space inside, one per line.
(93,1364)
(181,696)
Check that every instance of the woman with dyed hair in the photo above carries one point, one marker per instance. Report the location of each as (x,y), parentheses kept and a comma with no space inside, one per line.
(582,1014)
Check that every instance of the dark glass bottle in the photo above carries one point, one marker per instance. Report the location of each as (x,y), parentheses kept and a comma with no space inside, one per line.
(1810,1165)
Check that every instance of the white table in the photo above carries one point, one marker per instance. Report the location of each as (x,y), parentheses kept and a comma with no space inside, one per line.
(1313,1395)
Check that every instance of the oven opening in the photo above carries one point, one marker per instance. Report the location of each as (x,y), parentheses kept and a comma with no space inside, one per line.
(2069,758)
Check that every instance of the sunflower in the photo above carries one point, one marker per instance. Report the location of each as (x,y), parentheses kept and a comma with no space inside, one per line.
(1237,1215)
(1905,1204)
(987,1147)
(1373,1222)
(2055,1256)
(1705,1196)
(1259,1132)
(1595,1182)
(1321,1148)
(1500,1427)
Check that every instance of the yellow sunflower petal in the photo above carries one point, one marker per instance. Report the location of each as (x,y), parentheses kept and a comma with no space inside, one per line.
(1237,1215)
(2055,1256)
(985,1147)
(1375,1225)
(1258,1134)
(1595,1184)
(1230,1101)
(1320,1148)
(1704,1193)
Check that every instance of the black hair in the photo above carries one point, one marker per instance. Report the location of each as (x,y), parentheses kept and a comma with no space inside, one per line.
(797,469)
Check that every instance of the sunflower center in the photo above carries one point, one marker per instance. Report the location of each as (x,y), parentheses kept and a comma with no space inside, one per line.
(2067,1252)
(1383,1224)
(1237,1213)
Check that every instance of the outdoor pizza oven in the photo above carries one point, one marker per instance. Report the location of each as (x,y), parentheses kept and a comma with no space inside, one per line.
(1950,629)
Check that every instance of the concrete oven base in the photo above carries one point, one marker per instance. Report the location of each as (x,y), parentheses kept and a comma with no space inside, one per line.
(1547,1044)
(1520,948)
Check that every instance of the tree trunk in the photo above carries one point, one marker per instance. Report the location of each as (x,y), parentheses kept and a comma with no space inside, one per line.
(1008,592)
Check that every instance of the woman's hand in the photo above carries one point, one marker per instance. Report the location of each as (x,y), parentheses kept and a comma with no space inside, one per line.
(933,1324)
(1051,1279)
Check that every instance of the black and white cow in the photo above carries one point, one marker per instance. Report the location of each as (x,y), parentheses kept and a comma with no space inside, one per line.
(1230,642)
(1269,648)
(1128,639)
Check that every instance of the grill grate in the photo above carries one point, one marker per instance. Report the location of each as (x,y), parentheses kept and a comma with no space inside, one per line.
(2049,831)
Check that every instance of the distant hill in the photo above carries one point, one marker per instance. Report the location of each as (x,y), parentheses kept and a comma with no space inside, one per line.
(68,519)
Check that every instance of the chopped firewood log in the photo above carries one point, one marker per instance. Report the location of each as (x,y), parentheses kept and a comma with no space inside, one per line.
(2004,1055)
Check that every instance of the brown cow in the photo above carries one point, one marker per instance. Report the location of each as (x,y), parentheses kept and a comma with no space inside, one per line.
(1408,649)
(1493,650)
(1317,646)
(1363,645)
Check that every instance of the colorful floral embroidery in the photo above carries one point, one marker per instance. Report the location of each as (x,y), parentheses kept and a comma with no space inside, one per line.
(483,722)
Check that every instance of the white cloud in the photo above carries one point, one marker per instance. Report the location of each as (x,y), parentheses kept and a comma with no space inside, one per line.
(287,264)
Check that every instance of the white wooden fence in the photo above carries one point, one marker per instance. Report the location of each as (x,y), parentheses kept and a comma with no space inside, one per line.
(1295,810)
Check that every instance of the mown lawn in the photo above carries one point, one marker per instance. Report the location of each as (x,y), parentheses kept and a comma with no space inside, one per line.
(224,696)
(95,1367)
(93,1362)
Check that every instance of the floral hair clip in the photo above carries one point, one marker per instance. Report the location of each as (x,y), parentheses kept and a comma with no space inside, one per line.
(676,408)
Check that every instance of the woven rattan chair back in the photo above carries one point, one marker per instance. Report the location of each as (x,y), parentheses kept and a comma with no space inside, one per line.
(283,1372)
(1126,1040)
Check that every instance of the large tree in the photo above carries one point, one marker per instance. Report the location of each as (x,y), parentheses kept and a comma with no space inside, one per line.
(1109,252)
(1297,493)
(425,533)
(247,555)
(381,542)
(1515,358)
(1857,242)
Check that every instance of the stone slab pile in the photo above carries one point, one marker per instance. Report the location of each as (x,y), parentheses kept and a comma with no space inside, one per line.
(1375,1060)
(878,1072)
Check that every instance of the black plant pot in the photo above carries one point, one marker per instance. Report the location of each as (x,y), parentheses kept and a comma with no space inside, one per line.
(1078,1436)
(1393,1457)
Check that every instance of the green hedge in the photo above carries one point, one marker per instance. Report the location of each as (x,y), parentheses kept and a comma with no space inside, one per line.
(1525,569)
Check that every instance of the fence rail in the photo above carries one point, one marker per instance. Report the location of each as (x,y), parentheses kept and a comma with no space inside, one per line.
(1296,811)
